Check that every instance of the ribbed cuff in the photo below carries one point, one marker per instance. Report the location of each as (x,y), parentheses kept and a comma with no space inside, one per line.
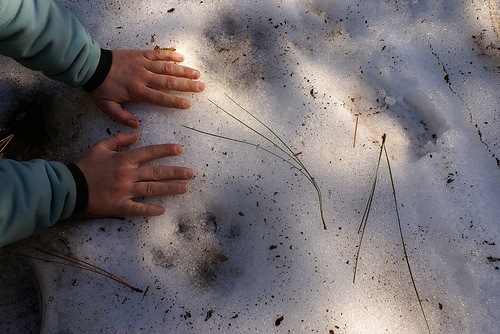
(82,191)
(101,72)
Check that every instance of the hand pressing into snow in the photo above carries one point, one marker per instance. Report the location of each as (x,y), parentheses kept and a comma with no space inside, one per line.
(145,76)
(115,178)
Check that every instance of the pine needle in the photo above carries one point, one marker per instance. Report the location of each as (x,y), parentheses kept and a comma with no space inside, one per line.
(70,261)
(4,142)
(364,220)
(355,132)
(289,156)
(366,213)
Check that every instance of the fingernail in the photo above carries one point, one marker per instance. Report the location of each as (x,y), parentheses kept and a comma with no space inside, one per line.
(159,210)
(201,86)
(188,173)
(196,74)
(179,149)
(133,123)
(186,104)
(182,188)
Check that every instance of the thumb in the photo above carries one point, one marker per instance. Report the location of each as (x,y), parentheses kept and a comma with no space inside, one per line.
(119,140)
(118,114)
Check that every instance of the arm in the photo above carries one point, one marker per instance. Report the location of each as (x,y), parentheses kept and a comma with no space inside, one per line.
(44,36)
(34,195)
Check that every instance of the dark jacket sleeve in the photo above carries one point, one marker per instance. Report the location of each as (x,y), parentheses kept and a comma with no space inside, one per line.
(33,195)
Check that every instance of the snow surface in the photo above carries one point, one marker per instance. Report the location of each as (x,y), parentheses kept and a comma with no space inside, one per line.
(424,72)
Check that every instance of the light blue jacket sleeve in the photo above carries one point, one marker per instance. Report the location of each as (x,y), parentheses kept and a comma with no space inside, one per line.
(44,36)
(33,195)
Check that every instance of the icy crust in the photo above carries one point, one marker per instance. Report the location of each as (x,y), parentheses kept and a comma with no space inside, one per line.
(245,251)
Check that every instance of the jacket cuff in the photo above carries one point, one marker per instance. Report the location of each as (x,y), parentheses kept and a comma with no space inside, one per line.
(82,191)
(101,71)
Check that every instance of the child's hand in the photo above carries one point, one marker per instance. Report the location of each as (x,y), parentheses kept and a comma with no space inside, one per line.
(115,178)
(145,76)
